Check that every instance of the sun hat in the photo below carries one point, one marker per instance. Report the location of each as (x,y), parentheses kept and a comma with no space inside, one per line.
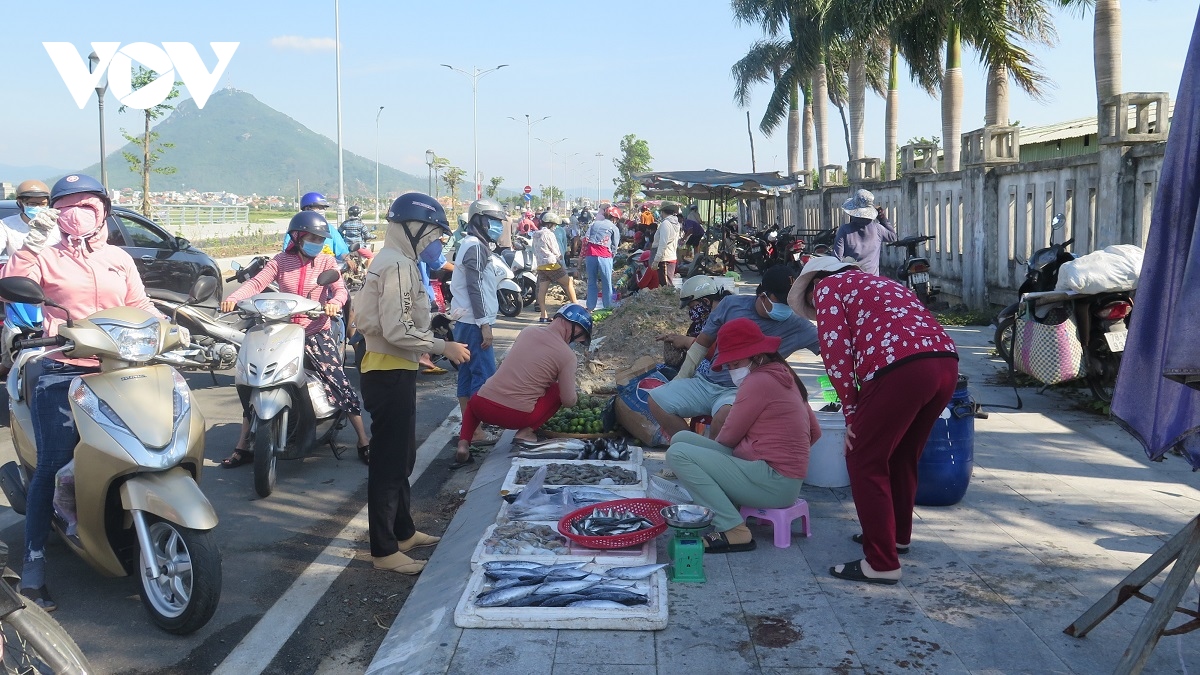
(776,281)
(861,205)
(742,339)
(817,265)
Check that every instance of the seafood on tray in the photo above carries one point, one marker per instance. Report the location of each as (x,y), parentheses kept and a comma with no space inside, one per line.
(528,584)
(609,523)
(518,538)
(580,474)
(609,449)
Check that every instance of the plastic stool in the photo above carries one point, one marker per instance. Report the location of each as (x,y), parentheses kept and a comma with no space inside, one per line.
(699,425)
(781,520)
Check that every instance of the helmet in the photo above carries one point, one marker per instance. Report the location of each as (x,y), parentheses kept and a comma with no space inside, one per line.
(420,207)
(551,218)
(669,208)
(612,213)
(354,211)
(313,199)
(488,207)
(76,184)
(578,316)
(32,188)
(309,222)
(462,220)
(699,286)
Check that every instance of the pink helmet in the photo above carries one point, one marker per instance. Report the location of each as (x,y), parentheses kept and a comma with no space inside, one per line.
(613,213)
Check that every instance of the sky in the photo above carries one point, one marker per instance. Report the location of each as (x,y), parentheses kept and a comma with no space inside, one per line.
(598,71)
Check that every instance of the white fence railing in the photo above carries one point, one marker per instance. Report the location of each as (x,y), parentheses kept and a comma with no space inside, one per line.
(175,217)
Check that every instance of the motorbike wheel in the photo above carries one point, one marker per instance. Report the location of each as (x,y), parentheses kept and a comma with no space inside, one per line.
(266,454)
(1102,374)
(528,293)
(510,303)
(922,291)
(185,596)
(35,643)
(1004,337)
(754,262)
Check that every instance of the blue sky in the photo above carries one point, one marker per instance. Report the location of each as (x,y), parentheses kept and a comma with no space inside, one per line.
(656,69)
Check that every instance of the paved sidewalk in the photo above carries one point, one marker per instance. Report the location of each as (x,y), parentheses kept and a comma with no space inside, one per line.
(1062,505)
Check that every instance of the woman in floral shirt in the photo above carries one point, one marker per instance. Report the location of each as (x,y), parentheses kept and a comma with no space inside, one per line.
(895,370)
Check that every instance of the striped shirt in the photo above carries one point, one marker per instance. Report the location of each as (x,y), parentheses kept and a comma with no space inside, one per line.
(297,274)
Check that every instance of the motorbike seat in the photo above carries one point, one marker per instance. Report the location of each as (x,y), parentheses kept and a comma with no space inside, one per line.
(168,296)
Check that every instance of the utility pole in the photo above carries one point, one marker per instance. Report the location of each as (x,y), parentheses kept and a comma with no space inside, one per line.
(598,156)
(528,126)
(551,144)
(337,57)
(377,163)
(475,75)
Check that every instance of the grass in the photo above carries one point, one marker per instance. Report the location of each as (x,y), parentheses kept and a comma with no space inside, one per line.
(965,317)
(252,243)
(265,216)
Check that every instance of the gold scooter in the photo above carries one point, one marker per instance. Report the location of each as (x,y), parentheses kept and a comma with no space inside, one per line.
(139,508)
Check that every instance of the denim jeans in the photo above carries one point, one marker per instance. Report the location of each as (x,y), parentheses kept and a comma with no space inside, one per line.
(54,433)
(599,268)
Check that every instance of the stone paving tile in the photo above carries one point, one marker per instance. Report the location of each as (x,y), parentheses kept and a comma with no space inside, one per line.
(608,647)
(602,669)
(499,651)
(795,630)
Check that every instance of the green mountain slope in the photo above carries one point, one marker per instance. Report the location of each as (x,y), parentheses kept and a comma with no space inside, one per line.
(241,145)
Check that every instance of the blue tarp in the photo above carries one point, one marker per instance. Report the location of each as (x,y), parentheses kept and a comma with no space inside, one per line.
(1155,399)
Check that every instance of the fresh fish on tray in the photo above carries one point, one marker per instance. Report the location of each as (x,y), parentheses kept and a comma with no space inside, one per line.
(518,538)
(580,474)
(609,523)
(614,449)
(528,584)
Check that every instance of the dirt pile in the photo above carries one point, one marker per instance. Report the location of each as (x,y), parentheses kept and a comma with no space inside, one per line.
(629,333)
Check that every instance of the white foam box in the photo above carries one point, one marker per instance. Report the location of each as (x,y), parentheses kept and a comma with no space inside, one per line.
(624,491)
(651,616)
(636,455)
(645,554)
(511,485)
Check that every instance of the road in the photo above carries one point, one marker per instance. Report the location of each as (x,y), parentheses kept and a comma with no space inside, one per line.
(266,544)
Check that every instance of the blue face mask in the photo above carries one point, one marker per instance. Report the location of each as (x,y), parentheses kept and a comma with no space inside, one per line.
(432,255)
(779,311)
(312,249)
(32,211)
(495,228)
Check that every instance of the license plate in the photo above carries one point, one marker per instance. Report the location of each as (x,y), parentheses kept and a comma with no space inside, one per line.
(919,278)
(1116,340)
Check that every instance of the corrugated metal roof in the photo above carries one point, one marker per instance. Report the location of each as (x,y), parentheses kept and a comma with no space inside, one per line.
(1083,126)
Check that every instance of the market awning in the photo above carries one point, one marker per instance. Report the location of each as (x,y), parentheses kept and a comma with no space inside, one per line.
(711,183)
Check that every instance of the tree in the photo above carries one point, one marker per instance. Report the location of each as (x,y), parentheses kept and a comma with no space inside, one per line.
(493,185)
(453,178)
(551,194)
(151,149)
(634,159)
(440,164)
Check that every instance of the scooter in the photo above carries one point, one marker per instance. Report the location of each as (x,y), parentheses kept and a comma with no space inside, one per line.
(21,322)
(215,337)
(520,263)
(139,509)
(914,270)
(1041,275)
(288,404)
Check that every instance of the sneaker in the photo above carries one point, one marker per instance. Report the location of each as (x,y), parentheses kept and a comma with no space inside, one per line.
(40,597)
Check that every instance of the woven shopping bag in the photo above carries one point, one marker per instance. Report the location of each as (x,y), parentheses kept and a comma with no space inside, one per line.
(1050,352)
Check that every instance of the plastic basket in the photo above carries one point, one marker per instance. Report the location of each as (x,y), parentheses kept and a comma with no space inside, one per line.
(650,509)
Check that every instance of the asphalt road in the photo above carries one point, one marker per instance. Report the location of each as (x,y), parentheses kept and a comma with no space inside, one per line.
(265,544)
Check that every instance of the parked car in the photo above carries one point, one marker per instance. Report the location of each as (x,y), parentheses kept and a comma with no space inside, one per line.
(165,261)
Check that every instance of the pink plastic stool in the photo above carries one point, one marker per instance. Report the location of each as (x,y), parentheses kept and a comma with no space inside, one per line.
(781,520)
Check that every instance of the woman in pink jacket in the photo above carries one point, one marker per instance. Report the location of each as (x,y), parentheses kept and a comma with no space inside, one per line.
(760,456)
(296,270)
(84,275)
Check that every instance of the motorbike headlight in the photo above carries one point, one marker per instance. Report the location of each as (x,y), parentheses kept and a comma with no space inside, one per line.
(181,396)
(275,309)
(98,410)
(289,370)
(137,344)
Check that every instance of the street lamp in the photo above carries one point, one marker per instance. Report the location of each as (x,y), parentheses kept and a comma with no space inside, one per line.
(551,144)
(377,163)
(337,59)
(475,75)
(93,61)
(429,157)
(528,126)
(598,156)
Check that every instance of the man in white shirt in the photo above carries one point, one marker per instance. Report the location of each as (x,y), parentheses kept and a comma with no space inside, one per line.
(32,197)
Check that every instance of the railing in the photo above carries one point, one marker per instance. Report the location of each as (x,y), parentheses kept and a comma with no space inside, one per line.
(176,217)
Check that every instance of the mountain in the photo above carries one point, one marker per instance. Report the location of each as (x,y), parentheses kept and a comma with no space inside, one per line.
(241,145)
(15,174)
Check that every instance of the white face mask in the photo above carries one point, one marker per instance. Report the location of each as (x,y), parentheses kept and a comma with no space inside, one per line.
(738,375)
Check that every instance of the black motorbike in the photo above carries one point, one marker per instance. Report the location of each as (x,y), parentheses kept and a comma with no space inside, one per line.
(914,270)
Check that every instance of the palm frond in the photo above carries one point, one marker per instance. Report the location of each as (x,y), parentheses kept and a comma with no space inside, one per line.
(756,67)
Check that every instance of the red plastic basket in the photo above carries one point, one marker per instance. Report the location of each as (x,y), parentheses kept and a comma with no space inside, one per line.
(648,508)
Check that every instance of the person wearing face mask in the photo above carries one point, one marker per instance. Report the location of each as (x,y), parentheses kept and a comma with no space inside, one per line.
(335,244)
(700,390)
(536,378)
(666,241)
(296,271)
(760,456)
(33,197)
(700,295)
(393,316)
(473,291)
(82,275)
(548,259)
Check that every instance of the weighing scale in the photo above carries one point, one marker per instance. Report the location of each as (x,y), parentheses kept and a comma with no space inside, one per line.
(686,550)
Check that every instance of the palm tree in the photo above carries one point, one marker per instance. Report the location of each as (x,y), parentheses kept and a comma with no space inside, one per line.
(1106,52)
(808,131)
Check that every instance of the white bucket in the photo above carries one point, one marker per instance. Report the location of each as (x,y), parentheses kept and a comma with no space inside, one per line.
(826,458)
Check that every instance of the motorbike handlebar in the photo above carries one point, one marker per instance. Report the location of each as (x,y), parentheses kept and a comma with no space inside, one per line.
(31,343)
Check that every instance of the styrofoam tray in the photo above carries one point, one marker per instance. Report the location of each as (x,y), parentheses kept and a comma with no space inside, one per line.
(651,616)
(511,485)
(645,554)
(636,454)
(623,490)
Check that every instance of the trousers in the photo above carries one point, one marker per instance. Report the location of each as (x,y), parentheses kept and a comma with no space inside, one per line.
(481,410)
(391,398)
(599,269)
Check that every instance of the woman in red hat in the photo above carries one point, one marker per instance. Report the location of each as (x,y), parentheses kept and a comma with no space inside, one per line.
(760,456)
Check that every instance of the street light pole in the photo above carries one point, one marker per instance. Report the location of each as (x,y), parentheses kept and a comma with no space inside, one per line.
(528,126)
(429,157)
(377,163)
(598,156)
(551,145)
(475,75)
(93,61)
(337,58)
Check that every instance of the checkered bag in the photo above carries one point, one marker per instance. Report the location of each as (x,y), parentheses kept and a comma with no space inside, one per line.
(1050,352)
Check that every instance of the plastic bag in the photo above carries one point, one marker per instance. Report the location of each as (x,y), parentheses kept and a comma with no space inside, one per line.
(64,496)
(1116,268)
(538,503)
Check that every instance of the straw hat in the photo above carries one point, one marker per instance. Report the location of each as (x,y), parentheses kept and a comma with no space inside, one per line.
(861,205)
(817,265)
(742,339)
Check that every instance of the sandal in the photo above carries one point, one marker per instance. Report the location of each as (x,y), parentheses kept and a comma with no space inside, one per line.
(40,597)
(487,440)
(364,453)
(716,542)
(460,463)
(853,571)
(238,458)
(900,550)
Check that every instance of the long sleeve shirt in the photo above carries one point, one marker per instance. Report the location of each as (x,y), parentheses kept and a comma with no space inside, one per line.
(298,274)
(771,421)
(666,240)
(862,239)
(868,324)
(602,239)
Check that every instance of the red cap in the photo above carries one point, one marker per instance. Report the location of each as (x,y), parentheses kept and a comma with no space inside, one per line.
(742,339)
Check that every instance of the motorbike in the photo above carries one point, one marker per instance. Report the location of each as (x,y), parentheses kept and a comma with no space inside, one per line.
(914,270)
(290,411)
(519,260)
(139,509)
(639,274)
(762,253)
(21,321)
(509,295)
(215,337)
(31,641)
(1102,318)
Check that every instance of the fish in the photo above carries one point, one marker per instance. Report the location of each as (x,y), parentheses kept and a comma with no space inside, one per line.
(567,575)
(569,566)
(625,598)
(630,573)
(597,604)
(562,600)
(511,565)
(573,444)
(607,586)
(498,598)
(510,582)
(560,587)
(515,574)
(529,601)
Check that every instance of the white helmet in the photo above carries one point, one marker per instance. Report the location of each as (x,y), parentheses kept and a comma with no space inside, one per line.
(699,286)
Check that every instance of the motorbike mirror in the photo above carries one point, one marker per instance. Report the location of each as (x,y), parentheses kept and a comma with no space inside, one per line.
(327,277)
(1057,222)
(202,290)
(235,265)
(23,290)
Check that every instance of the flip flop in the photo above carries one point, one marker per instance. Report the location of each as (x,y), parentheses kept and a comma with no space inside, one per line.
(900,550)
(853,572)
(488,439)
(238,458)
(434,370)
(456,465)
(716,542)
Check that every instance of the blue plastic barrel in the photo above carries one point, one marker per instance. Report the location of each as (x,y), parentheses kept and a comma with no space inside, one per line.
(949,456)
